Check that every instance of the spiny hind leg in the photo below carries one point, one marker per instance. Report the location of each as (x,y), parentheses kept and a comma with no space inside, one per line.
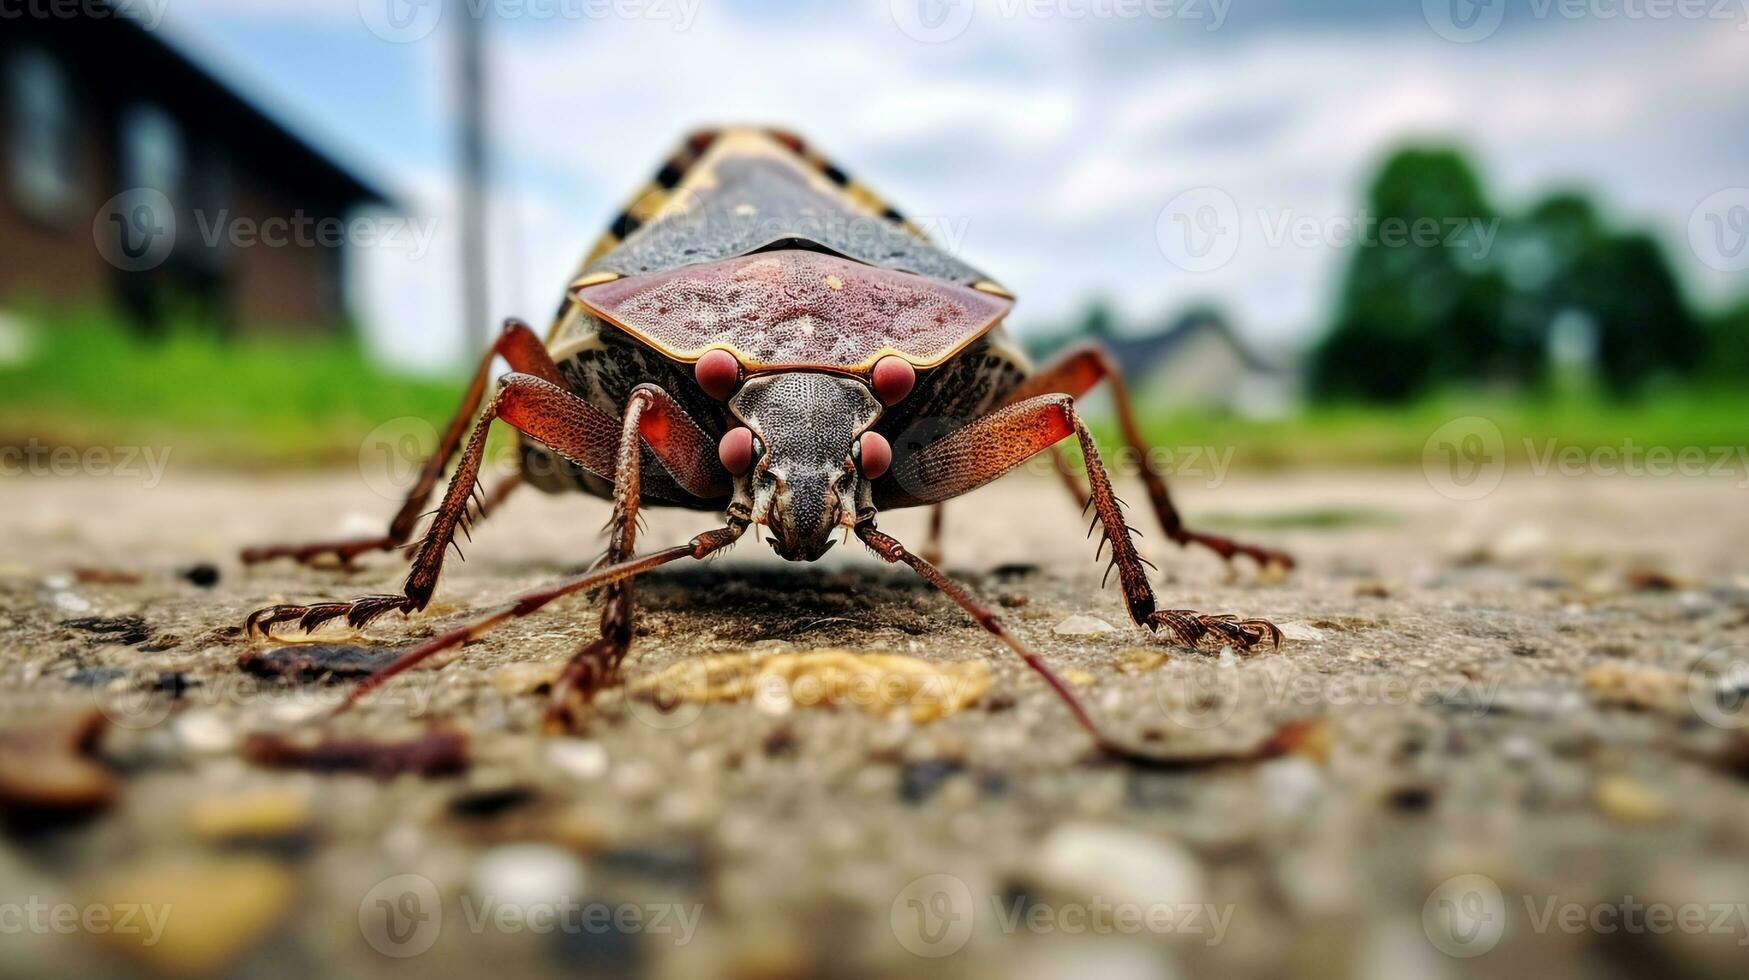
(537,408)
(996,443)
(597,664)
(519,346)
(1074,374)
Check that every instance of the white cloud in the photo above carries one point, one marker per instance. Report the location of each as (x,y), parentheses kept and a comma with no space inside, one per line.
(1056,143)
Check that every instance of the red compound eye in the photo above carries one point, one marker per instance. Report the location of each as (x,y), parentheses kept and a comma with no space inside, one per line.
(717,373)
(893,378)
(875,455)
(736,450)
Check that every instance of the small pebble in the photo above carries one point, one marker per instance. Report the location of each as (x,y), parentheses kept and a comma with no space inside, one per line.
(46,767)
(1080,625)
(1119,865)
(580,758)
(266,814)
(211,911)
(1629,800)
(516,680)
(1304,632)
(204,574)
(525,875)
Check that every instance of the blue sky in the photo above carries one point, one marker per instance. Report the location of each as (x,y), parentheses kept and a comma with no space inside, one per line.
(1051,142)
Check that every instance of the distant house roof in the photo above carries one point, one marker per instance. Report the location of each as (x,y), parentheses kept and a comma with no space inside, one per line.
(1139,355)
(120,58)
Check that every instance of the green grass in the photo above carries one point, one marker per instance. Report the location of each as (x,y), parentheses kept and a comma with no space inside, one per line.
(1355,436)
(89,379)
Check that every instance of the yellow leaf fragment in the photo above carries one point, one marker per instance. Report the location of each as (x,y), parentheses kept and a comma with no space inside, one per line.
(879,683)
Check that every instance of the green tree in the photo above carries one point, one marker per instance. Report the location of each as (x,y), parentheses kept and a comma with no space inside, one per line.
(1415,311)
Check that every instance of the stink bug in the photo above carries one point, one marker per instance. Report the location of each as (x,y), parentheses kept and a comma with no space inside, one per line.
(752,336)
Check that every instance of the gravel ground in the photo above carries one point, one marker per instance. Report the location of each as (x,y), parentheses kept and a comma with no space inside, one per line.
(1493,743)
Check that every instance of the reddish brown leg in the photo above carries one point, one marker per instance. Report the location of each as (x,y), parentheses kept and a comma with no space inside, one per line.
(1074,374)
(699,547)
(539,409)
(554,416)
(889,549)
(1002,440)
(596,664)
(519,346)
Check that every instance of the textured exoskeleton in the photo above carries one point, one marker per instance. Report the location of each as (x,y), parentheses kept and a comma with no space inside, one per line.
(758,334)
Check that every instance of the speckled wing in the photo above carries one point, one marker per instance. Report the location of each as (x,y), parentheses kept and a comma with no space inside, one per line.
(796,309)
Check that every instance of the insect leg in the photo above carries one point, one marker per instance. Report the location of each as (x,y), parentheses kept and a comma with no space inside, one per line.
(569,425)
(889,549)
(519,346)
(700,546)
(598,662)
(1074,374)
(998,442)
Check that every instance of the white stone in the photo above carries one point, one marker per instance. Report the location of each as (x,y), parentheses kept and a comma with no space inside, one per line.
(204,732)
(1304,632)
(578,757)
(1083,626)
(1095,860)
(527,876)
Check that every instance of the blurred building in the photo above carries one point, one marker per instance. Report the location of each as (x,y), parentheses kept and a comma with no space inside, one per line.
(1199,362)
(99,112)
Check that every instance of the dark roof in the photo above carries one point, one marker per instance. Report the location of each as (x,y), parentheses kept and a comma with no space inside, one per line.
(1139,355)
(117,59)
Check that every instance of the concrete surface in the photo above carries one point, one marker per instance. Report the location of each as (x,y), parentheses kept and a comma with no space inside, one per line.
(1522,733)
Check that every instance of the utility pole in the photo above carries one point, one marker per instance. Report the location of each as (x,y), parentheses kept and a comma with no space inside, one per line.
(473,169)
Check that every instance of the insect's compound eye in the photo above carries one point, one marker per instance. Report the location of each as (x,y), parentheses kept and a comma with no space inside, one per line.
(736,449)
(717,372)
(873,454)
(893,379)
